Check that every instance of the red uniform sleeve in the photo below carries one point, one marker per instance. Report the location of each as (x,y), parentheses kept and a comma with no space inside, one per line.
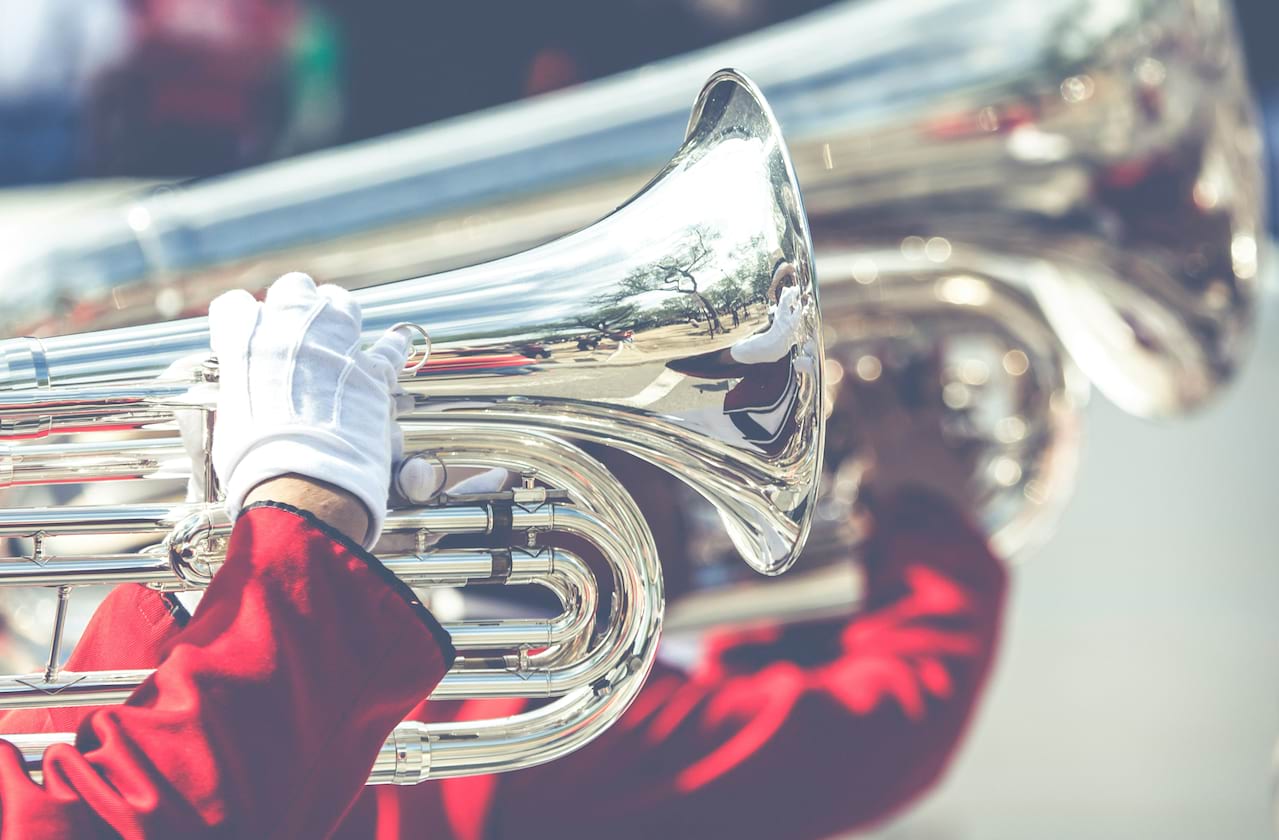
(798,732)
(267,709)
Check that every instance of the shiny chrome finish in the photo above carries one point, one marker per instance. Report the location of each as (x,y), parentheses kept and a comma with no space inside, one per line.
(722,222)
(998,386)
(1101,155)
(591,333)
(29,464)
(1005,391)
(593,686)
(1098,158)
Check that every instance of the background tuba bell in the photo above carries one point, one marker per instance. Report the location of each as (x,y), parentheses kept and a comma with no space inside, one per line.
(1103,157)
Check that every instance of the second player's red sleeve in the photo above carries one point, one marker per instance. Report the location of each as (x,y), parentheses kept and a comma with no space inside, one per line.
(798,732)
(266,711)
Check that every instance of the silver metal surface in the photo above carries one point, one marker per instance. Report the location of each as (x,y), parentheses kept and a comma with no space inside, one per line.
(723,221)
(1097,163)
(1102,155)
(1098,160)
(590,335)
(946,354)
(31,463)
(593,688)
(997,384)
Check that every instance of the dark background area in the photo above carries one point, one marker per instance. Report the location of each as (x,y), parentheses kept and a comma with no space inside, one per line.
(199,88)
(412,63)
(1259,20)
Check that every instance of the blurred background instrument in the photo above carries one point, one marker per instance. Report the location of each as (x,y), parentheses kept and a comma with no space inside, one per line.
(1107,163)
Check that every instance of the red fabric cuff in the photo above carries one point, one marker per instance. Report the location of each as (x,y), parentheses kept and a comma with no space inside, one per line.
(438,633)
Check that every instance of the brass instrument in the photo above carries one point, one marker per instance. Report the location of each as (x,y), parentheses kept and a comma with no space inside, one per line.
(1102,157)
(1101,167)
(724,212)
(957,349)
(1088,170)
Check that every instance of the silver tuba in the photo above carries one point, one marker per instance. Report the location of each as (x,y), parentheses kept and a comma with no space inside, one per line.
(606,336)
(1094,164)
(1100,155)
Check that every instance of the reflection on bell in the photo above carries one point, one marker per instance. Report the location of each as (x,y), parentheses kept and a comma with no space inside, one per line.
(984,367)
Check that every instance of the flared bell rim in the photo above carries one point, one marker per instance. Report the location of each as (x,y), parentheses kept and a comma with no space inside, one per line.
(803,478)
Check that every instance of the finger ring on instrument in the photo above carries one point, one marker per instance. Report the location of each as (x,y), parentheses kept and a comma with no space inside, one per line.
(412,365)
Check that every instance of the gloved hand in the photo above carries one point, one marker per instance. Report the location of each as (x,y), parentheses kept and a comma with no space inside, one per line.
(777,340)
(296,394)
(202,398)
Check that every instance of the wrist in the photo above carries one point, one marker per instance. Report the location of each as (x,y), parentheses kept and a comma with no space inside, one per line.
(316,455)
(327,502)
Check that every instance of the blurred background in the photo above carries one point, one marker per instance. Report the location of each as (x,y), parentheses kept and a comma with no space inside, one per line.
(1137,693)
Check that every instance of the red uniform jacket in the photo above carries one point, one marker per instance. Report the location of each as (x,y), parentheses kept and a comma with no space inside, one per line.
(797,732)
(267,708)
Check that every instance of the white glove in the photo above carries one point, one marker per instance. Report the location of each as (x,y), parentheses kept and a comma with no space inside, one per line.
(777,340)
(296,394)
(202,398)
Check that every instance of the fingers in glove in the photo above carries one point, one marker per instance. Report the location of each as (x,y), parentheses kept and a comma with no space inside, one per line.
(191,425)
(411,480)
(418,480)
(185,369)
(191,421)
(291,289)
(396,436)
(188,369)
(394,346)
(343,302)
(405,403)
(388,354)
(233,316)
